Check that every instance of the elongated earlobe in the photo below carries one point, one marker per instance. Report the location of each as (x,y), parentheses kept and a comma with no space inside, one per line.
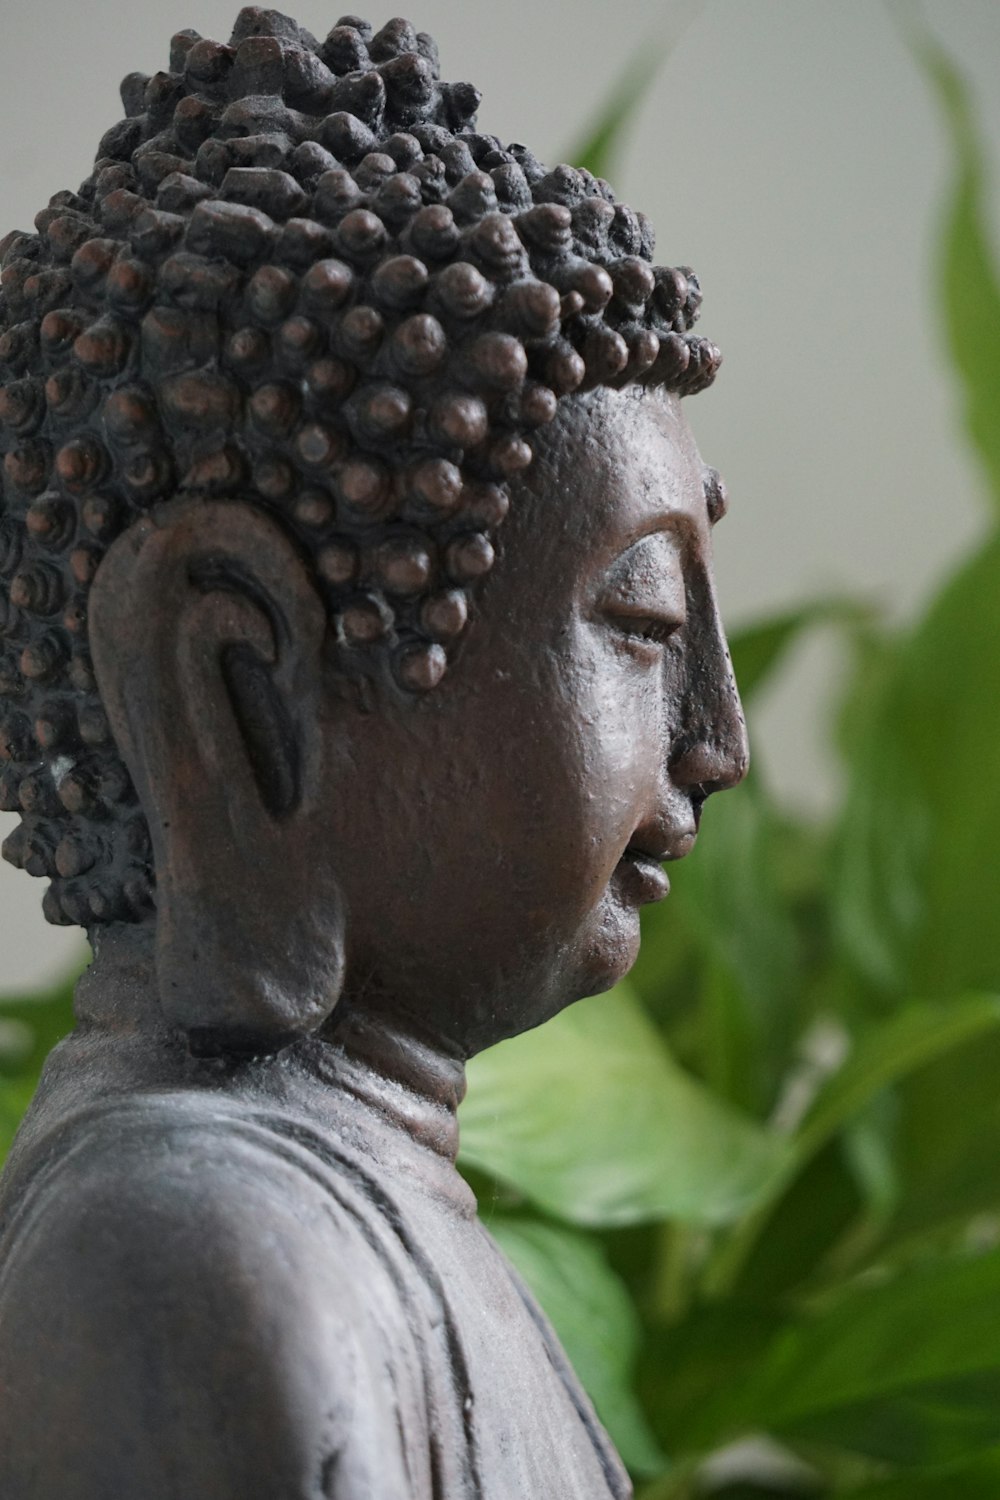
(207,637)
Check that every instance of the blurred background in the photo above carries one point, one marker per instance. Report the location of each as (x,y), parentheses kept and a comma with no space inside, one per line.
(756,1188)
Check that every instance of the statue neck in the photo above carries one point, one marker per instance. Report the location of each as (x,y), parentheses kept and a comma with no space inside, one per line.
(118,993)
(407,1079)
(399,1074)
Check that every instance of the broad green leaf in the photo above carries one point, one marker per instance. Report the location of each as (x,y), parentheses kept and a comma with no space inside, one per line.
(915,881)
(15,1096)
(36,1023)
(692,1375)
(808,1220)
(884,1054)
(29,1029)
(591,1118)
(946,1156)
(968,269)
(907,1371)
(722,958)
(868,1145)
(873,651)
(975,1480)
(892,1050)
(595,1320)
(726,892)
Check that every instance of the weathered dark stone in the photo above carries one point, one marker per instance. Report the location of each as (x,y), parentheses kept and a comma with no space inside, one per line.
(360,666)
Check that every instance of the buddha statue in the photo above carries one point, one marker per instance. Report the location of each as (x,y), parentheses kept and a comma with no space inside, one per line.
(361,667)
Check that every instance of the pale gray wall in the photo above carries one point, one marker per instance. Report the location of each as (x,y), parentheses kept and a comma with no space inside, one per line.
(789,151)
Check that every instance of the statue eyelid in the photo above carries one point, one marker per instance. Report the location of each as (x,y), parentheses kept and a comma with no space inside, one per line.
(650,631)
(644,614)
(651,623)
(645,596)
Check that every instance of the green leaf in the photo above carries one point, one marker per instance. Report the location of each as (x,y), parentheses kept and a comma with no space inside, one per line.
(30,1026)
(971,289)
(15,1096)
(914,894)
(599,151)
(873,653)
(946,1157)
(591,1118)
(726,894)
(722,963)
(886,1053)
(807,1221)
(595,1320)
(692,1374)
(978,1480)
(758,650)
(907,1372)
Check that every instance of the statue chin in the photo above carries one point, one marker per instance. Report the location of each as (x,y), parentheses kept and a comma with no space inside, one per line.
(362,669)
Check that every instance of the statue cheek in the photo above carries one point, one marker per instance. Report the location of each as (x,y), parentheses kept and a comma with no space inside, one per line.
(624,733)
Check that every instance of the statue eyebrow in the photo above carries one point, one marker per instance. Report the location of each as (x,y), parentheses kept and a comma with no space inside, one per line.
(716,495)
(680,523)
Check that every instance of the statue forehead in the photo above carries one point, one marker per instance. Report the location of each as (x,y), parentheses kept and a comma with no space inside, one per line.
(618,461)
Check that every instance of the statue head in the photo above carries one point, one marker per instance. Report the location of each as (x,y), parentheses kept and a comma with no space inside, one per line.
(358,623)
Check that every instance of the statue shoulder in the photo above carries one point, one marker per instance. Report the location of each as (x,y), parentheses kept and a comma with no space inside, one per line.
(179,1314)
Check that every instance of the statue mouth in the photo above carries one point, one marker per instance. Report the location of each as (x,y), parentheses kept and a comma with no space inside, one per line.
(642,877)
(642,864)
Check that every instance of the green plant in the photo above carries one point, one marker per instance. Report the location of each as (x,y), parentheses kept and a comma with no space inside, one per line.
(757,1187)
(780,1139)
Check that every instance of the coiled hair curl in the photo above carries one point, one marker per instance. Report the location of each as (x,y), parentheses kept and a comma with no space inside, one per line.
(298,274)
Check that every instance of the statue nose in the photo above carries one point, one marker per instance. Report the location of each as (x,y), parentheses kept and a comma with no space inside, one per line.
(714,752)
(712,767)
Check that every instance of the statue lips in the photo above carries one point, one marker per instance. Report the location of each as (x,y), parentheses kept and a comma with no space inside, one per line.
(641,866)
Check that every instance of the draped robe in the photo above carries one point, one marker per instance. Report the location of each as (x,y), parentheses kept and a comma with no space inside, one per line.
(266,1279)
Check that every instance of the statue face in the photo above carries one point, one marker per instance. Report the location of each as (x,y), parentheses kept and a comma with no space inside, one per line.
(496,840)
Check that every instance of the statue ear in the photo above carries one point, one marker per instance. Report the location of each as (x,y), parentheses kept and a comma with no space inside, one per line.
(207,632)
